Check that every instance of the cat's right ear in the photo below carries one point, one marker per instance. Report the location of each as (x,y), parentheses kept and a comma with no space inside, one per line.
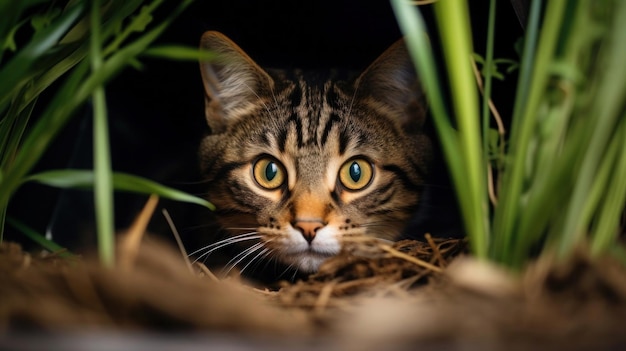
(392,82)
(232,81)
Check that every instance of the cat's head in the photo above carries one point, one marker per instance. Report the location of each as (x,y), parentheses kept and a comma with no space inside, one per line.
(301,163)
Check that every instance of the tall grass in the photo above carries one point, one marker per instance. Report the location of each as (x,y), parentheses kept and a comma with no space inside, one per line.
(563,181)
(87,43)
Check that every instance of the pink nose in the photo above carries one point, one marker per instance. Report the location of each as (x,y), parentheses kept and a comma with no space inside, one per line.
(308,228)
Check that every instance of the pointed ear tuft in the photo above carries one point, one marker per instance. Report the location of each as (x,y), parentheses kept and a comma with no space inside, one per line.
(391,81)
(232,82)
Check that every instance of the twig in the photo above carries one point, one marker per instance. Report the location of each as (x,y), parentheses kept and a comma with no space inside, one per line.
(206,271)
(492,106)
(129,243)
(490,187)
(179,242)
(415,260)
(324,297)
(501,132)
(435,249)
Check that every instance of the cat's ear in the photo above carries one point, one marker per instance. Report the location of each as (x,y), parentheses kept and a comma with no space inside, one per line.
(391,81)
(232,81)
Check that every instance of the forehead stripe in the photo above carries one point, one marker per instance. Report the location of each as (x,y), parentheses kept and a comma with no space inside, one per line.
(334,118)
(295,119)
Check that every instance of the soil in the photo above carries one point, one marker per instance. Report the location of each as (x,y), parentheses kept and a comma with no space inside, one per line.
(372,296)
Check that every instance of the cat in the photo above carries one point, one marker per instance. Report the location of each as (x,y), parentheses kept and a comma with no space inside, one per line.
(298,163)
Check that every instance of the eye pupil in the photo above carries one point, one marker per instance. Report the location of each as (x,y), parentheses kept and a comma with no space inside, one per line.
(268,173)
(271,170)
(355,172)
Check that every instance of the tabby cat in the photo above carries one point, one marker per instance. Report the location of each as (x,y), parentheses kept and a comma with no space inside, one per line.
(298,163)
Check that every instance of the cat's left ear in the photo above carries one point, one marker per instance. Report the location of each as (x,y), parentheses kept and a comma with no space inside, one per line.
(232,82)
(391,81)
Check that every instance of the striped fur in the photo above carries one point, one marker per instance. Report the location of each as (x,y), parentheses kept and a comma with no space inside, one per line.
(312,124)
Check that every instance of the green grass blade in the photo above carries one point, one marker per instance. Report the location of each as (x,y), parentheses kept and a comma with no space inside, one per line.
(3,216)
(488,80)
(530,92)
(600,189)
(42,133)
(607,109)
(53,71)
(40,239)
(455,29)
(474,212)
(12,128)
(84,179)
(413,27)
(16,72)
(180,53)
(76,90)
(74,46)
(606,230)
(103,186)
(11,19)
(505,213)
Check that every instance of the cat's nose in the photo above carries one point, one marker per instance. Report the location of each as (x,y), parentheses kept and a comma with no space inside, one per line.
(308,228)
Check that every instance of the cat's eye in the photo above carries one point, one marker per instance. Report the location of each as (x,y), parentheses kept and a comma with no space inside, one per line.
(268,173)
(356,174)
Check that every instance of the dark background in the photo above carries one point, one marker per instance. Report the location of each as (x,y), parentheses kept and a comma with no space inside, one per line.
(156,114)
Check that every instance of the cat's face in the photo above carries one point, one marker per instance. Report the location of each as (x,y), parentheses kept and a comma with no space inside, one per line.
(302,164)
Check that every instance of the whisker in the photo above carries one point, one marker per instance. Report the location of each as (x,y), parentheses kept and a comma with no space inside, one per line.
(235,260)
(241,256)
(228,243)
(290,267)
(294,275)
(267,258)
(268,262)
(236,237)
(260,254)
(222,243)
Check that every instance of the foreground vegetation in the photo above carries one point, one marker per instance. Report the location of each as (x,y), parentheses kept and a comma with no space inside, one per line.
(558,181)
(85,44)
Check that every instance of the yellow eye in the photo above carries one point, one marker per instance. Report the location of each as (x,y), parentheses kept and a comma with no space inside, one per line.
(356,174)
(268,173)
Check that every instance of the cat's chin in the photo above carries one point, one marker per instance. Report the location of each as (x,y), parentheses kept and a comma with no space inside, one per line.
(306,262)
(306,257)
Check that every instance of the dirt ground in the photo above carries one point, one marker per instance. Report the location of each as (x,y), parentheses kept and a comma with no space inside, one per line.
(373,296)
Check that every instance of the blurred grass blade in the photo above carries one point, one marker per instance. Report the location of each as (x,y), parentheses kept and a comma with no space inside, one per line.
(177,52)
(606,229)
(12,129)
(413,27)
(40,239)
(505,214)
(75,91)
(474,210)
(607,107)
(455,29)
(489,62)
(531,89)
(84,179)
(16,72)
(103,183)
(3,216)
